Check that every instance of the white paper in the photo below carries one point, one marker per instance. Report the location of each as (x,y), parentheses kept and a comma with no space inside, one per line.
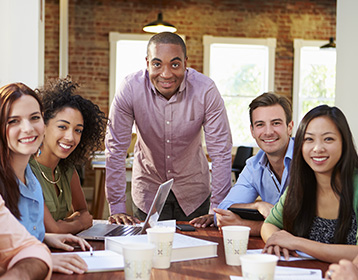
(101,260)
(292,273)
(302,256)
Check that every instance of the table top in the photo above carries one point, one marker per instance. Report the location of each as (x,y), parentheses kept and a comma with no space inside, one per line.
(210,268)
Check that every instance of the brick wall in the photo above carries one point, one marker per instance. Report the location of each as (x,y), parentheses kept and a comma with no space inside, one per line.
(90,22)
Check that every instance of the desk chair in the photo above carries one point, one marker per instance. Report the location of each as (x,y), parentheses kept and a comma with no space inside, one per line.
(242,154)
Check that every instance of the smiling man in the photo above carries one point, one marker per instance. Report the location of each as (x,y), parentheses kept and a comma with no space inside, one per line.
(169,105)
(265,174)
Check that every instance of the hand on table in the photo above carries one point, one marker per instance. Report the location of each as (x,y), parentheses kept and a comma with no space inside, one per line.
(63,241)
(281,242)
(344,270)
(69,264)
(203,221)
(123,218)
(227,218)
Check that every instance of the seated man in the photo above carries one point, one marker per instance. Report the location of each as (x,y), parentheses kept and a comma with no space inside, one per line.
(265,174)
(22,256)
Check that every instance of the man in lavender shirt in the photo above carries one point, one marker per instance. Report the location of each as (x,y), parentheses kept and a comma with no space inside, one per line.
(169,105)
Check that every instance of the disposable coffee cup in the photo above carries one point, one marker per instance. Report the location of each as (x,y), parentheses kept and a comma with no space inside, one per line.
(258,266)
(162,238)
(138,259)
(235,240)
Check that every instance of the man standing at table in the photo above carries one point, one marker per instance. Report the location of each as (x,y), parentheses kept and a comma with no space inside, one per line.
(169,104)
(22,256)
(267,173)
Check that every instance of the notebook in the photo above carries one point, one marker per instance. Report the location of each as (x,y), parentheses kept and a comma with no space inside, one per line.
(100,230)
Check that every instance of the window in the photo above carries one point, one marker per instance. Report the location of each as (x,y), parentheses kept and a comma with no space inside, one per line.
(314,79)
(127,55)
(242,69)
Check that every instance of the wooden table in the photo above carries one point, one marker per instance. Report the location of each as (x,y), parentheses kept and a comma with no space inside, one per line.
(211,268)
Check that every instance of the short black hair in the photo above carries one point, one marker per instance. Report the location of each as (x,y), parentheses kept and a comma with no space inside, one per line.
(167,38)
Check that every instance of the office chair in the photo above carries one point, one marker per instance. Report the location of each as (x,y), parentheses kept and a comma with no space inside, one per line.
(242,154)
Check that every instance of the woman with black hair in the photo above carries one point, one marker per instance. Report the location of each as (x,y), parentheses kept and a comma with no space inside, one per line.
(318,213)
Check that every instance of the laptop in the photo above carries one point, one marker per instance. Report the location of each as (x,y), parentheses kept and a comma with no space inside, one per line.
(99,231)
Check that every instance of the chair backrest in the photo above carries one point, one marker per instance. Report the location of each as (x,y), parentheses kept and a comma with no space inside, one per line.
(242,154)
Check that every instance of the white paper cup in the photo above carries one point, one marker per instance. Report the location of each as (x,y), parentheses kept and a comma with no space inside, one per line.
(138,260)
(235,240)
(162,238)
(258,266)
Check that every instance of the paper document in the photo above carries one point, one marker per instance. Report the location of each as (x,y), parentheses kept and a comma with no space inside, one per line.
(302,256)
(101,260)
(292,273)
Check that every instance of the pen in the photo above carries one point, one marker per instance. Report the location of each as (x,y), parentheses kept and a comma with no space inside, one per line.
(91,251)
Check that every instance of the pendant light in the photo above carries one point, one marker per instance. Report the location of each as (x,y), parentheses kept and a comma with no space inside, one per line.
(331,44)
(159,25)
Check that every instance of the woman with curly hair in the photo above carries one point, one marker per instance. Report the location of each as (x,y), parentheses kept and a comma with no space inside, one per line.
(318,212)
(74,127)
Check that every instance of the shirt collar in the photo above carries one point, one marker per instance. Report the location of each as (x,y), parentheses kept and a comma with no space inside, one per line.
(288,156)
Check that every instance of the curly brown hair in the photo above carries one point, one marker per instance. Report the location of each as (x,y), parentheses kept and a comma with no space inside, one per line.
(59,94)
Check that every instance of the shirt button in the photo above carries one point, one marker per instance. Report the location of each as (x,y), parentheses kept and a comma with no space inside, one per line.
(168,171)
(168,156)
(168,141)
(168,122)
(34,227)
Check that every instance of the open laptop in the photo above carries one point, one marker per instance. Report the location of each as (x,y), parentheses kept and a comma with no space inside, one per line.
(101,230)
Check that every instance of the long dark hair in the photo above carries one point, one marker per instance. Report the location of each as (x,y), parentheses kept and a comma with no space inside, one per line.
(300,204)
(9,188)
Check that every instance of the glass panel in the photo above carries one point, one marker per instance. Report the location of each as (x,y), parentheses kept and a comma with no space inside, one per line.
(240,73)
(130,57)
(317,78)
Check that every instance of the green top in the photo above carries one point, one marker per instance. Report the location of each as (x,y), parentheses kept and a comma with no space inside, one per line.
(276,213)
(60,205)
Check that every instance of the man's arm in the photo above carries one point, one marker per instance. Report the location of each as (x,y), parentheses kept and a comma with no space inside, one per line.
(117,141)
(242,191)
(219,145)
(27,269)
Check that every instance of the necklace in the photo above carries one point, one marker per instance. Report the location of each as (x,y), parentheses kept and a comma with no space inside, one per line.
(45,177)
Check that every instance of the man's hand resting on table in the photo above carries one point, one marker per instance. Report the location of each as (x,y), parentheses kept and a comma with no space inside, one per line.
(123,218)
(203,221)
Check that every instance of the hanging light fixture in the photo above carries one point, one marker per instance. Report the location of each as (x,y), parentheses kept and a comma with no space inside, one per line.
(331,44)
(159,25)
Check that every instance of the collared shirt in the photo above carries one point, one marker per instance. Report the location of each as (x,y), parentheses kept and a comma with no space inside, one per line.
(169,143)
(31,205)
(257,179)
(17,244)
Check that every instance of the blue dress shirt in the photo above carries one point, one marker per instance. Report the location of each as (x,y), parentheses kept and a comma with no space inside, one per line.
(257,179)
(31,205)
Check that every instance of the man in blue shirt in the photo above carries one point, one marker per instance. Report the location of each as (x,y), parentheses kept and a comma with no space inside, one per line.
(265,174)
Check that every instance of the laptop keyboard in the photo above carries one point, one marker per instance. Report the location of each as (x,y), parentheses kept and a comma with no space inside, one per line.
(123,230)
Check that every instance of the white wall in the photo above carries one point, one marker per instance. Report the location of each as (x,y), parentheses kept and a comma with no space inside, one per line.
(347,62)
(22,42)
